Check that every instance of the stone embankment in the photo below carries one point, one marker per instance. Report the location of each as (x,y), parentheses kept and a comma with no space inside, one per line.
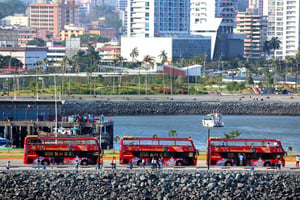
(180,108)
(125,184)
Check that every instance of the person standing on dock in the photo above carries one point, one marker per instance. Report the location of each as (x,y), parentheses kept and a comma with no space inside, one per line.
(8,165)
(113,163)
(297,160)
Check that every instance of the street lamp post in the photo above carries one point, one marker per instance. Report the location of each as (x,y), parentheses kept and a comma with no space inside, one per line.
(208,153)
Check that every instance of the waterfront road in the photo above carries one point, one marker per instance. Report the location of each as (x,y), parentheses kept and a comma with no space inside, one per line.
(17,164)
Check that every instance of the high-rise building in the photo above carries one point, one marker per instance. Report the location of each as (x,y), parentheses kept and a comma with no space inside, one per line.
(53,16)
(255,27)
(242,5)
(283,23)
(203,20)
(121,5)
(259,5)
(226,9)
(158,18)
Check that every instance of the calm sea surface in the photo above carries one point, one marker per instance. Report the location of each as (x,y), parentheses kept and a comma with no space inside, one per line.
(284,128)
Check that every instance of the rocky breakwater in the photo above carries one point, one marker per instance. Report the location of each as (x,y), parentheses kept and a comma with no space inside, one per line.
(180,108)
(136,184)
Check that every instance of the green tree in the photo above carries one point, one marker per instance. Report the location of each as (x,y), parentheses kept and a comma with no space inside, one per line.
(232,134)
(10,7)
(172,133)
(92,38)
(250,80)
(154,136)
(37,42)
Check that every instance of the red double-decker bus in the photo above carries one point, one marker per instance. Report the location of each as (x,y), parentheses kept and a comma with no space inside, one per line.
(244,152)
(174,151)
(61,150)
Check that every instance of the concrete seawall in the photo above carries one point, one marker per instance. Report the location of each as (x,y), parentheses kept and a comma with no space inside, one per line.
(180,107)
(149,184)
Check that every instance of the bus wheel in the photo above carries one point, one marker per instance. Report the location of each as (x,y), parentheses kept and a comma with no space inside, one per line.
(228,164)
(84,162)
(179,163)
(45,162)
(267,164)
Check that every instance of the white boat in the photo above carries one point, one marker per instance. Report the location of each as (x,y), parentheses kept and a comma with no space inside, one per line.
(67,131)
(213,120)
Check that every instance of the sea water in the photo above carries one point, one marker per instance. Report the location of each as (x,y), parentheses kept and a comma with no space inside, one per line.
(284,128)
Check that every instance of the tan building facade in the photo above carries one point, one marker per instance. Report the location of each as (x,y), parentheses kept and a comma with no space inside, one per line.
(53,16)
(70,31)
(255,27)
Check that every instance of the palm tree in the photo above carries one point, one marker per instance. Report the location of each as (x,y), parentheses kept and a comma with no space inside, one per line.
(163,56)
(134,53)
(148,60)
(38,65)
(139,63)
(64,62)
(274,43)
(120,59)
(46,62)
(116,139)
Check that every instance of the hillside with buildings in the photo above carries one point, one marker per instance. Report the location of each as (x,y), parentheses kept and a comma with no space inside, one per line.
(237,40)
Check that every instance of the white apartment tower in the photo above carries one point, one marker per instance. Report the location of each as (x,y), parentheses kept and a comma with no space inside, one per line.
(158,18)
(283,22)
(204,21)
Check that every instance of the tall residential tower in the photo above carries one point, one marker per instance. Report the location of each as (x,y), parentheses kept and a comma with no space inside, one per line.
(283,22)
(158,18)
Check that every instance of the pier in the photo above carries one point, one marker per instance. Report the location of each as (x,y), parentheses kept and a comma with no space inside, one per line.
(19,118)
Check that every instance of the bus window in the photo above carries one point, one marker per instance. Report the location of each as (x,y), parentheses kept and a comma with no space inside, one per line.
(167,143)
(49,154)
(130,142)
(183,143)
(144,154)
